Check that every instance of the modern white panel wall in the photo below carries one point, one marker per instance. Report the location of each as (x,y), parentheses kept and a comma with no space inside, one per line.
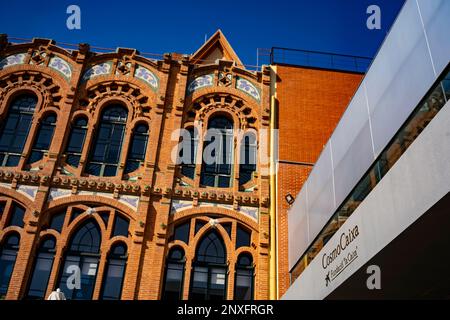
(413,55)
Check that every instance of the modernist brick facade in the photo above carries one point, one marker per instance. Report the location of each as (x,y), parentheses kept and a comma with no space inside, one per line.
(167,94)
(310,104)
(172,93)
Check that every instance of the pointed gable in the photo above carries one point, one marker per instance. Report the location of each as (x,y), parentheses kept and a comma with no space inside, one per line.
(217,47)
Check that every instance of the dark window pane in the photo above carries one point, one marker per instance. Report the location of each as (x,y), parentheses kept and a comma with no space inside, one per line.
(110,171)
(73,160)
(242,237)
(17,215)
(105,217)
(43,139)
(42,269)
(173,284)
(87,239)
(107,145)
(211,249)
(198,225)
(15,129)
(8,254)
(181,232)
(121,226)
(57,221)
(114,274)
(227,227)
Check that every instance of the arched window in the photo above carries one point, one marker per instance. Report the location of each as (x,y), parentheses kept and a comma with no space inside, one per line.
(42,269)
(107,145)
(218,153)
(174,276)
(138,146)
(15,128)
(247,161)
(209,280)
(80,265)
(8,254)
(76,141)
(189,146)
(17,216)
(243,286)
(43,139)
(114,272)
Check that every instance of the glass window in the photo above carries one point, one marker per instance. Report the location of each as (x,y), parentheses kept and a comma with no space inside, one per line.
(218,151)
(174,275)
(17,215)
(121,226)
(15,128)
(138,146)
(114,273)
(107,145)
(43,139)
(247,158)
(76,141)
(188,152)
(181,232)
(243,237)
(80,265)
(42,269)
(8,254)
(198,225)
(209,278)
(57,221)
(243,287)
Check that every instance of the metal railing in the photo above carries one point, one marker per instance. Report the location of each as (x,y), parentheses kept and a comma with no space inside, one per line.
(322,60)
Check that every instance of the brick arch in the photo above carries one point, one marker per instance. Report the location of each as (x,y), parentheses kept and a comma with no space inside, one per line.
(141,97)
(78,222)
(9,230)
(202,211)
(17,197)
(204,231)
(215,98)
(89,199)
(32,76)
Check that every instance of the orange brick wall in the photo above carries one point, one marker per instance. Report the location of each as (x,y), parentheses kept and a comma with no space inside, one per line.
(310,103)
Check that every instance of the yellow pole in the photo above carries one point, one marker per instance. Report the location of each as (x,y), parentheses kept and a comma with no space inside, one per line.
(273,275)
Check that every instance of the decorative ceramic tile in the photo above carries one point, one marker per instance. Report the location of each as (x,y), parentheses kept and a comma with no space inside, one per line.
(147,76)
(93,193)
(5,185)
(97,70)
(179,205)
(249,88)
(252,212)
(56,193)
(12,60)
(61,65)
(29,191)
(200,82)
(131,201)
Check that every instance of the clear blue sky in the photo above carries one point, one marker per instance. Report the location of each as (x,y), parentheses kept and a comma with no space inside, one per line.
(157,26)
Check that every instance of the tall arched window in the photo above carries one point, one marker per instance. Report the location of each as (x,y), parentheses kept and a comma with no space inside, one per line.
(138,146)
(190,146)
(243,286)
(8,254)
(15,128)
(247,161)
(174,277)
(76,141)
(43,139)
(218,153)
(209,279)
(107,145)
(42,269)
(80,266)
(114,272)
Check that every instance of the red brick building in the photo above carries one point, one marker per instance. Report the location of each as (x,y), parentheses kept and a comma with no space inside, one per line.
(92,200)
